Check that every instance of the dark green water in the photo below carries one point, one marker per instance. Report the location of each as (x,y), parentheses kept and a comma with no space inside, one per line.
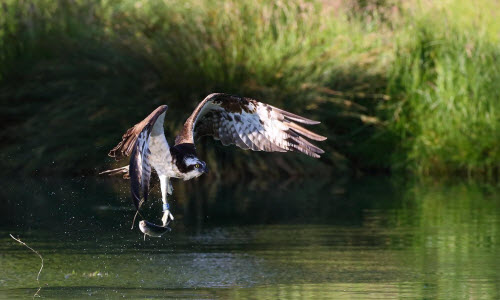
(360,239)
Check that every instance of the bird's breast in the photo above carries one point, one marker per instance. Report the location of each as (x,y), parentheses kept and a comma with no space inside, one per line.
(160,157)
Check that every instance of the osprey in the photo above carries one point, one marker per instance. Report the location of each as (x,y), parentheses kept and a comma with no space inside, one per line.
(244,122)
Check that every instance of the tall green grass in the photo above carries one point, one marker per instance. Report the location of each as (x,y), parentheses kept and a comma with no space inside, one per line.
(447,75)
(407,86)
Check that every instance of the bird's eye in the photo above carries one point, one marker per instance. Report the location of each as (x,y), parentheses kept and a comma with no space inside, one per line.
(197,166)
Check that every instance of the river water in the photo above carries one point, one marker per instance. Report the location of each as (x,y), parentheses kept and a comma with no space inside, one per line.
(369,238)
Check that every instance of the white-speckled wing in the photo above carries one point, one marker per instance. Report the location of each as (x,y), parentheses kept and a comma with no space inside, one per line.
(250,124)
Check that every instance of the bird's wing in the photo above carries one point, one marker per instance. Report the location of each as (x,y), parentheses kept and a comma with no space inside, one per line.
(249,124)
(129,139)
(135,143)
(140,170)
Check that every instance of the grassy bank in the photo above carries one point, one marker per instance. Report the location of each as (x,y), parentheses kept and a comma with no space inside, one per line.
(394,86)
(446,78)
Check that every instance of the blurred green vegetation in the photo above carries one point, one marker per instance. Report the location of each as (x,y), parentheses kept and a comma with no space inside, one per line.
(397,86)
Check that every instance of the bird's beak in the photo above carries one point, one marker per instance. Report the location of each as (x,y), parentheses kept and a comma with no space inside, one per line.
(205,169)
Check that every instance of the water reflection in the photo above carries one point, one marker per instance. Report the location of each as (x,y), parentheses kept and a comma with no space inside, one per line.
(365,239)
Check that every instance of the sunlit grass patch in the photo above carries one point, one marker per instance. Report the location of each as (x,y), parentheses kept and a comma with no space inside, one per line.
(447,72)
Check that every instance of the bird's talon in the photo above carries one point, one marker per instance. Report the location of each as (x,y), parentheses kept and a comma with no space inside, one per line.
(166,216)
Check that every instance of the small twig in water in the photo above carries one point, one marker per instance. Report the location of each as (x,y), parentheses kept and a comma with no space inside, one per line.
(137,212)
(135,216)
(39,272)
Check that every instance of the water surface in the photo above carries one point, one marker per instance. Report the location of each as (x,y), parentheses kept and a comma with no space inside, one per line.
(371,238)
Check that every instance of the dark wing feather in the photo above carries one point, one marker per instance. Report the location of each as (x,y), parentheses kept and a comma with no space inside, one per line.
(249,124)
(140,170)
(135,142)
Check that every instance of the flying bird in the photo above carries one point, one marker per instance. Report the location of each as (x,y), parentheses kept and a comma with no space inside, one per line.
(244,122)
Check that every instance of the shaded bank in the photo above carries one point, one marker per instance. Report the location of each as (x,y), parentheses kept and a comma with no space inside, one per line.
(396,86)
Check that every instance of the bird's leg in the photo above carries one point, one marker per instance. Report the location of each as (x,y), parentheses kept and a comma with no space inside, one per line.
(164,183)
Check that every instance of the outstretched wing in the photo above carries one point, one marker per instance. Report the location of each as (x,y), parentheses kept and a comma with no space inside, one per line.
(135,143)
(249,124)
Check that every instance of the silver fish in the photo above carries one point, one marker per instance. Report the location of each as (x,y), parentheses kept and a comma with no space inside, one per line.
(151,229)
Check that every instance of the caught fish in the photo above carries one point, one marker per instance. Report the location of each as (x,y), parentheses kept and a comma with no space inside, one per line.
(151,229)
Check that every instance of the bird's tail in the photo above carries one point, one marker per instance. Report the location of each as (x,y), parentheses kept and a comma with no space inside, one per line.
(118,171)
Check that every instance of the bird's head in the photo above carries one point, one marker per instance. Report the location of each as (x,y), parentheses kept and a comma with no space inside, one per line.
(194,167)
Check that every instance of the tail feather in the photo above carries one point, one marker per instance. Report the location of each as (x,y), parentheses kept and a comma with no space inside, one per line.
(117,171)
